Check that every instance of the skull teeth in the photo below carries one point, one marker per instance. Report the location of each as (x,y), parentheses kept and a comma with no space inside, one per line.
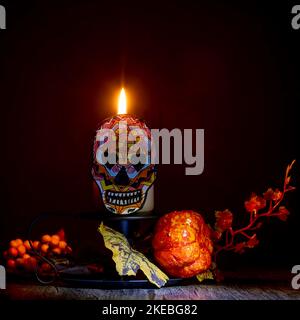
(123,198)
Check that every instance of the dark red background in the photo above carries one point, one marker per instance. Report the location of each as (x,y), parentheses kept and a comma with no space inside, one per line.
(230,69)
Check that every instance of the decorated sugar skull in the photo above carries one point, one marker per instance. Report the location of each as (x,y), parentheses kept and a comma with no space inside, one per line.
(123,171)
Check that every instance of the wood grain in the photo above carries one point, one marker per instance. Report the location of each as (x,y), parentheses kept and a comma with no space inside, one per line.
(192,292)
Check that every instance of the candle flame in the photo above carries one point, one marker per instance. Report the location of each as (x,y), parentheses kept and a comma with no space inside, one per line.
(122,108)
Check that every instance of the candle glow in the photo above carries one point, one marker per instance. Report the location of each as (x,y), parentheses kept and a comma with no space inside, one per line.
(122,105)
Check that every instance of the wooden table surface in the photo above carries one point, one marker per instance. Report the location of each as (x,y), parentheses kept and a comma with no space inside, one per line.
(249,284)
(190,292)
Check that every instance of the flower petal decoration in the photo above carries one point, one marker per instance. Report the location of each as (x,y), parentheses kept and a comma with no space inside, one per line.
(255,203)
(128,261)
(237,240)
(283,213)
(223,220)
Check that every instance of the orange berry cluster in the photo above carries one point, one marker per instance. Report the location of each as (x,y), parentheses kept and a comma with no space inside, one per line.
(21,256)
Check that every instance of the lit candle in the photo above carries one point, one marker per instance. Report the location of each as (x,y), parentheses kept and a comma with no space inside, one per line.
(125,186)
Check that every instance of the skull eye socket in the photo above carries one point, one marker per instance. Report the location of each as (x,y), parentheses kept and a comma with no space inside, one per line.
(108,164)
(139,166)
(142,161)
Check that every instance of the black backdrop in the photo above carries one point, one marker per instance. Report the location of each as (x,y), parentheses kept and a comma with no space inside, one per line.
(228,68)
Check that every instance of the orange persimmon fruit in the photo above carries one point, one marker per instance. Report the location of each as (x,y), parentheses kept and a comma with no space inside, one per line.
(19,242)
(27,245)
(26,256)
(36,245)
(56,251)
(46,238)
(13,244)
(62,245)
(55,240)
(44,248)
(13,252)
(11,264)
(21,250)
(182,244)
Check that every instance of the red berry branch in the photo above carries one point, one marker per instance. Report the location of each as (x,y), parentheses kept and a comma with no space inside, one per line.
(240,239)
